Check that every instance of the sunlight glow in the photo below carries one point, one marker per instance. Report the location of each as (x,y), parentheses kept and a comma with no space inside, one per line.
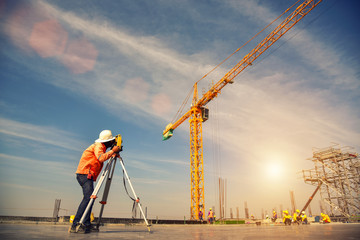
(274,170)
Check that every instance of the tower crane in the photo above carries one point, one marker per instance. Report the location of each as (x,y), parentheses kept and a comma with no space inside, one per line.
(198,113)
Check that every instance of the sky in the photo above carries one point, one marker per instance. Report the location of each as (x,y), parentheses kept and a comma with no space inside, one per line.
(70,69)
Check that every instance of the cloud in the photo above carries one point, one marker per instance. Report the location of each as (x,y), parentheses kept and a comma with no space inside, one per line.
(152,181)
(136,90)
(145,167)
(253,10)
(328,60)
(271,120)
(171,161)
(162,66)
(25,187)
(308,47)
(141,48)
(32,165)
(161,103)
(30,28)
(42,134)
(19,25)
(152,54)
(147,163)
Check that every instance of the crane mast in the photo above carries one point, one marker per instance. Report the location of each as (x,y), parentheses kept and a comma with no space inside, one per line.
(197,113)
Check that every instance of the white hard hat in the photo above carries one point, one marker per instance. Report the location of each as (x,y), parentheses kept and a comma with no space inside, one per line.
(105,136)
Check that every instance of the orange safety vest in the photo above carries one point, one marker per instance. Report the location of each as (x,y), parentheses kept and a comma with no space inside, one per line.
(92,159)
(210,215)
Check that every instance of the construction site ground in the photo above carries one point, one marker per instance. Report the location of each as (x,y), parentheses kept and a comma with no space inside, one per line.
(159,232)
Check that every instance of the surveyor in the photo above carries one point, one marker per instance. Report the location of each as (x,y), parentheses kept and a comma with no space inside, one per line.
(303,218)
(326,218)
(287,218)
(89,168)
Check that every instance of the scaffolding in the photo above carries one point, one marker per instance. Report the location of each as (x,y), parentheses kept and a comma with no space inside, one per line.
(336,173)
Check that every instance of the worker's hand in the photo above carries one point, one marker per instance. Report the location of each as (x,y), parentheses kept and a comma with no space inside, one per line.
(116,149)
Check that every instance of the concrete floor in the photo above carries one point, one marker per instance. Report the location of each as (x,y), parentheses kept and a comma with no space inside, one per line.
(333,231)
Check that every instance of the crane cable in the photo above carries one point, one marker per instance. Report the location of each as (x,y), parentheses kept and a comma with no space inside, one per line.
(246,43)
(216,150)
(289,38)
(180,111)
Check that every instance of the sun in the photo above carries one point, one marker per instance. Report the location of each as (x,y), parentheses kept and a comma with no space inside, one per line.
(273,170)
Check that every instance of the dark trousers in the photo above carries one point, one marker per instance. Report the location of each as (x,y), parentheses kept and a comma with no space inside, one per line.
(287,221)
(87,188)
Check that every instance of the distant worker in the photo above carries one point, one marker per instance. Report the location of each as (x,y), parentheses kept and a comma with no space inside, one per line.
(274,217)
(296,218)
(303,218)
(210,216)
(201,215)
(287,218)
(89,168)
(326,218)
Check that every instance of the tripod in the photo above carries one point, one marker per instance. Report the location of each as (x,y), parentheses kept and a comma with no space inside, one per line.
(107,175)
